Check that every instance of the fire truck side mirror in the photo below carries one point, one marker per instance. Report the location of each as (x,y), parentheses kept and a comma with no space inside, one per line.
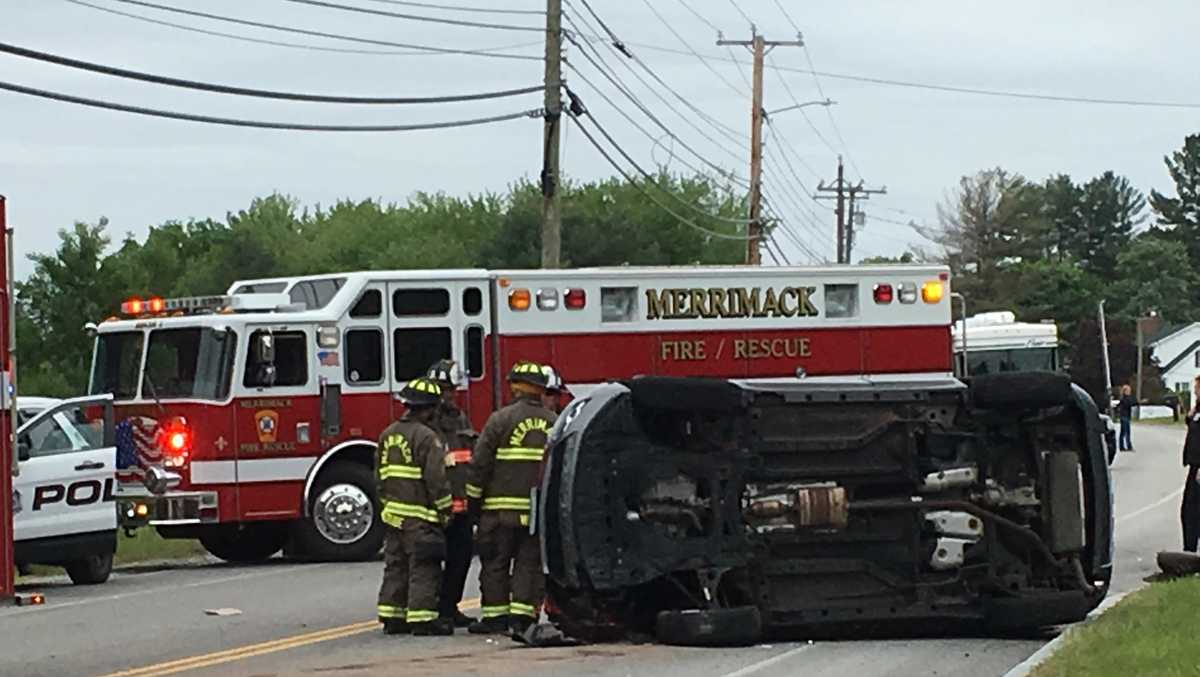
(264,348)
(23,450)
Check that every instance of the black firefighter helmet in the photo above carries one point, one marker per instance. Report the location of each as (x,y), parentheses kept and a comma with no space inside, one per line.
(421,392)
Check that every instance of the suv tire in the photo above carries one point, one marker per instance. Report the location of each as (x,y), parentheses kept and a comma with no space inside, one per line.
(738,626)
(90,570)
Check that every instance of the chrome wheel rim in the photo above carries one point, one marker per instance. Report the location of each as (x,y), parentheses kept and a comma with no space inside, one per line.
(343,514)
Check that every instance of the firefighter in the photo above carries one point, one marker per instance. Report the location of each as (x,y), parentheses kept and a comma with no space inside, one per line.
(555,390)
(504,469)
(456,431)
(416,501)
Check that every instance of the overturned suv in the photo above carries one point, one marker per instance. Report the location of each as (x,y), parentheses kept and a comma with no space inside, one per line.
(704,512)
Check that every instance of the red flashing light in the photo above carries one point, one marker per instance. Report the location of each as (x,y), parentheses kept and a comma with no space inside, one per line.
(133,306)
(575,299)
(884,293)
(156,304)
(176,442)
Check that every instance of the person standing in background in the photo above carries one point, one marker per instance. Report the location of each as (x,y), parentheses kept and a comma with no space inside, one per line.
(1125,410)
(1189,510)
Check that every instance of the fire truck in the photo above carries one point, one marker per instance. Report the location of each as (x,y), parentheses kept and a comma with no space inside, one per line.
(249,420)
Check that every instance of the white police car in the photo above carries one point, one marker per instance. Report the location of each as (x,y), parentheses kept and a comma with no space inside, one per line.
(63,510)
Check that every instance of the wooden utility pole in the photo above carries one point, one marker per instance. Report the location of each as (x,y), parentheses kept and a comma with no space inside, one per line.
(551,216)
(759,47)
(839,188)
(857,192)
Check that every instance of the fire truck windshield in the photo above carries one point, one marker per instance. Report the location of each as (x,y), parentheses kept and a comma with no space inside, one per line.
(191,363)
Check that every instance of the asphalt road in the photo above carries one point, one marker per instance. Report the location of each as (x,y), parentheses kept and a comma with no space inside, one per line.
(298,619)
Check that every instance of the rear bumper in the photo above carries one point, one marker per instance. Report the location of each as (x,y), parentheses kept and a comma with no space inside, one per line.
(136,510)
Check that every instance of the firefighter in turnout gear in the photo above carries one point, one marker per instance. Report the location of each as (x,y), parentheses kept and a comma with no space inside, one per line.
(555,390)
(504,469)
(416,502)
(454,427)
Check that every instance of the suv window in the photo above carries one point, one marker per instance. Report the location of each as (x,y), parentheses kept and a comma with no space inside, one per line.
(416,349)
(291,361)
(64,431)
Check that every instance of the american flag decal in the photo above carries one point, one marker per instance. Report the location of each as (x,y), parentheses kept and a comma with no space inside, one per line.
(137,446)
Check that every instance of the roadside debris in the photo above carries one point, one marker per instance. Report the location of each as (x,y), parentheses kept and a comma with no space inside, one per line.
(224,611)
(545,635)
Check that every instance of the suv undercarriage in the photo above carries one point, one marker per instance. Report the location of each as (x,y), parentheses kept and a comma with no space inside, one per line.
(707,512)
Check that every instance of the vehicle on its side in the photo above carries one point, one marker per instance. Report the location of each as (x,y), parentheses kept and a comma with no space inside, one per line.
(708,511)
(63,509)
(993,343)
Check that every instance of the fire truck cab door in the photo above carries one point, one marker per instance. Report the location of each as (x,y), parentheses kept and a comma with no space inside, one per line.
(429,321)
(68,470)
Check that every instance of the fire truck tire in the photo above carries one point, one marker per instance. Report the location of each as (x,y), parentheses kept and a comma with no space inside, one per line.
(342,524)
(91,570)
(1033,390)
(241,543)
(737,626)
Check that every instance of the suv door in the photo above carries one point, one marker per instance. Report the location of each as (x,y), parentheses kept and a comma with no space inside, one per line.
(67,472)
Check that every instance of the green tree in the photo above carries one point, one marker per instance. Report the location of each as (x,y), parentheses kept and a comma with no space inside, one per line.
(1109,208)
(1179,216)
(1154,273)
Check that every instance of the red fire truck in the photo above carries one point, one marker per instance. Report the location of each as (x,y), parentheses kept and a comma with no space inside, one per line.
(250,418)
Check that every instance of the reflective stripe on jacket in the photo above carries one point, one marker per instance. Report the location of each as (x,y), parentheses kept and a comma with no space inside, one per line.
(507,458)
(410,469)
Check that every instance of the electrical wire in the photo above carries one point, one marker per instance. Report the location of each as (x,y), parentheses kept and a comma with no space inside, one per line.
(1142,103)
(322,34)
(621,111)
(638,186)
(459,8)
(242,91)
(620,46)
(417,17)
(234,122)
(774,132)
(743,13)
(804,114)
(783,227)
(703,19)
(645,174)
(658,15)
(280,43)
(619,84)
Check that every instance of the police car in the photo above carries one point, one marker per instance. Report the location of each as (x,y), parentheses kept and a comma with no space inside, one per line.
(63,510)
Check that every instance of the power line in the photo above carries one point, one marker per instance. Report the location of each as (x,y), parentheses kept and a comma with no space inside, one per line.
(620,46)
(638,186)
(742,12)
(242,91)
(722,172)
(290,45)
(795,100)
(417,17)
(322,34)
(691,49)
(234,122)
(783,227)
(701,17)
(1143,103)
(616,81)
(460,8)
(647,175)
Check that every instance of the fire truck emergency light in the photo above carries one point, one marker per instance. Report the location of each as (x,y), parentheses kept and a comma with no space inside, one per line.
(908,292)
(133,306)
(175,440)
(547,299)
(883,293)
(30,599)
(932,291)
(575,299)
(518,299)
(156,304)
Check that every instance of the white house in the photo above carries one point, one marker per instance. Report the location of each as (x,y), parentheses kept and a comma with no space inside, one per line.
(1177,351)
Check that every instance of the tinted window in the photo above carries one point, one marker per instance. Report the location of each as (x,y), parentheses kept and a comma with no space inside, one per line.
(473,301)
(410,302)
(474,352)
(290,366)
(364,356)
(118,363)
(1019,359)
(618,304)
(416,349)
(370,304)
(841,300)
(315,293)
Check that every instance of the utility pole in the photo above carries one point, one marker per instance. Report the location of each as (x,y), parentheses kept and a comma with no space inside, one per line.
(551,216)
(759,47)
(840,189)
(857,193)
(846,214)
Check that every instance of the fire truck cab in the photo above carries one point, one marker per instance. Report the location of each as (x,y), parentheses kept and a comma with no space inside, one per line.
(249,420)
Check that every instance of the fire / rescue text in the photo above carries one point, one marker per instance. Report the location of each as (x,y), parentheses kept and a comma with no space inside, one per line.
(687,304)
(743,349)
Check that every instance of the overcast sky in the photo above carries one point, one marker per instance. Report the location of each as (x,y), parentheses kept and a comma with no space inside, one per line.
(60,163)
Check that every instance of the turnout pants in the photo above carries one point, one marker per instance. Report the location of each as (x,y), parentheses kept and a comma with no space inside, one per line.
(510,577)
(1189,511)
(412,572)
(459,551)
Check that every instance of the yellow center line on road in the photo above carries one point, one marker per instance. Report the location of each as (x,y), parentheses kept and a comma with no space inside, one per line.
(251,650)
